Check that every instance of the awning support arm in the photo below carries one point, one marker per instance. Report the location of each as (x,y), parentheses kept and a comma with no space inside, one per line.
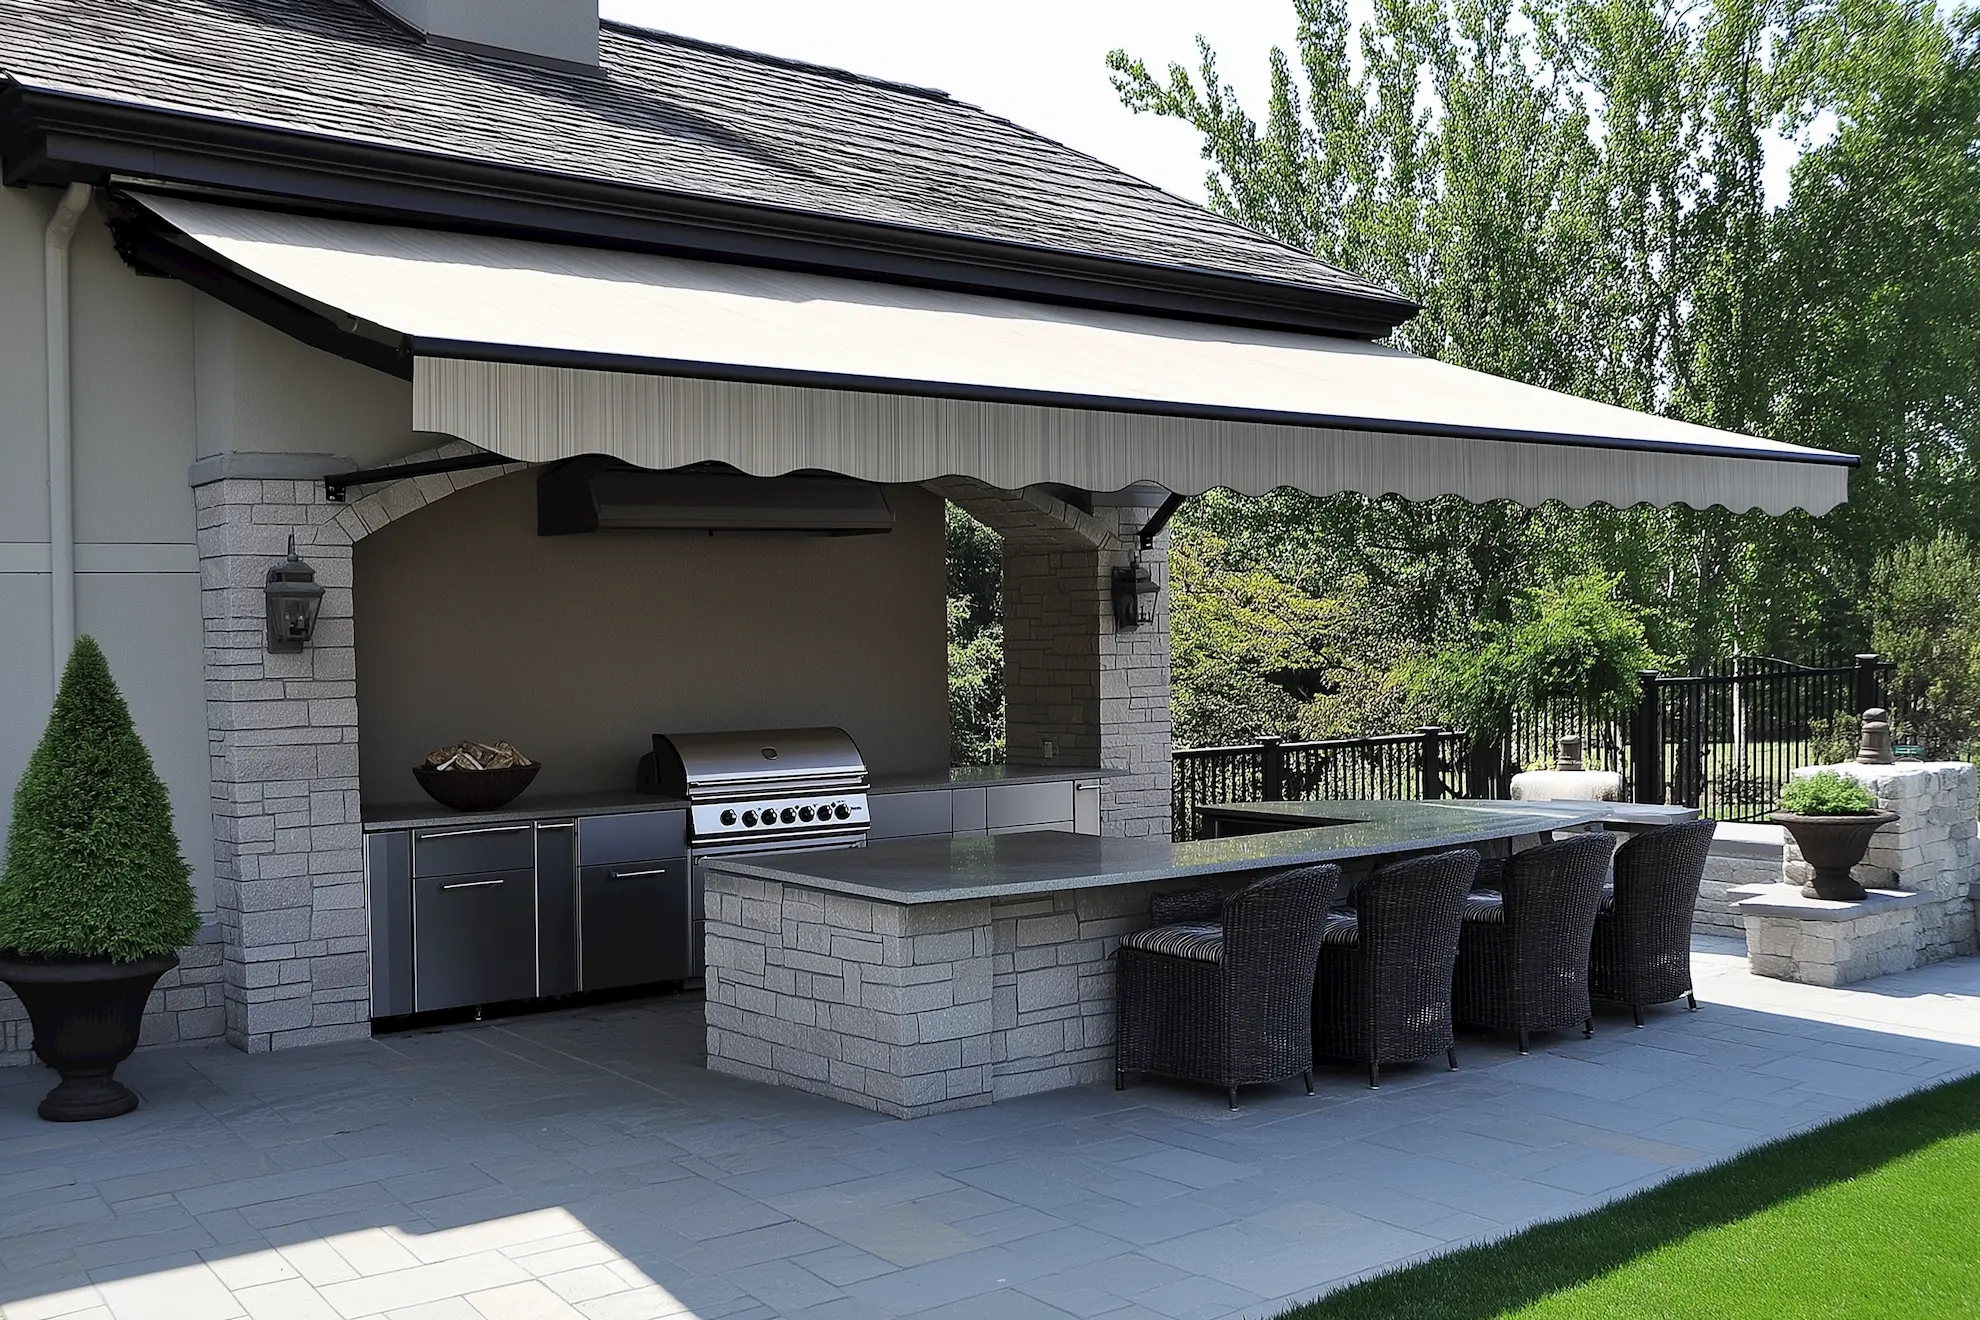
(1159,521)
(337,483)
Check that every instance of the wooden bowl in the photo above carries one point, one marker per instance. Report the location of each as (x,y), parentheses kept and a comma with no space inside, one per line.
(475,790)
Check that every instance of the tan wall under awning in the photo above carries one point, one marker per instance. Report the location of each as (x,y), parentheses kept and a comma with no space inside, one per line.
(539,351)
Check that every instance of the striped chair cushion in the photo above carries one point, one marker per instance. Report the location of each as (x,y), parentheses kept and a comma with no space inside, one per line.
(1342,928)
(1485,905)
(1201,941)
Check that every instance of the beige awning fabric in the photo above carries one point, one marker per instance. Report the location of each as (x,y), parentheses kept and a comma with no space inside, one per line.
(539,351)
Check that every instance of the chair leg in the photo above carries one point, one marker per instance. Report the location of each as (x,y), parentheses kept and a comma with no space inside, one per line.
(1450,1056)
(1522,1040)
(1233,1097)
(1120,1080)
(1588,1028)
(1636,1011)
(1691,999)
(1307,1077)
(1374,1075)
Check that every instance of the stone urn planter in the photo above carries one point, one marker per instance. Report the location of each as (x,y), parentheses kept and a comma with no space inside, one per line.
(86,1015)
(95,893)
(1832,845)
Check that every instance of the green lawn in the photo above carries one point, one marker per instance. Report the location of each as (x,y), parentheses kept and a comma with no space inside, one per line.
(1877,1215)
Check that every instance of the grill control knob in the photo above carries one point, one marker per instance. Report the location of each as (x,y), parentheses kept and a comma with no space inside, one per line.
(729,817)
(790,816)
(769,815)
(749,817)
(840,811)
(804,813)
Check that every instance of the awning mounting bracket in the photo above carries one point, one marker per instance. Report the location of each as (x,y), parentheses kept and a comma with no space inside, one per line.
(1158,521)
(337,483)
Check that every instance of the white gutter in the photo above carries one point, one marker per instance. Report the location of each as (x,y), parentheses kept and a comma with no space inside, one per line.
(61,499)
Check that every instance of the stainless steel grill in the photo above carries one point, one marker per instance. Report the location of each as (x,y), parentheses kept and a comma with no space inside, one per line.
(764,790)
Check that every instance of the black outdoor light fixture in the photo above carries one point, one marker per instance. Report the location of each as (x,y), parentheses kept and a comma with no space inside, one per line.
(1135,590)
(293,600)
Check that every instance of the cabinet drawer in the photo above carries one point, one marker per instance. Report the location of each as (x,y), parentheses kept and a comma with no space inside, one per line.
(634,923)
(1015,805)
(631,836)
(474,938)
(903,815)
(1086,807)
(468,849)
(968,810)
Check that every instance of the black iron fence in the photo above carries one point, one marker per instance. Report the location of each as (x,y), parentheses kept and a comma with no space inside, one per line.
(1724,742)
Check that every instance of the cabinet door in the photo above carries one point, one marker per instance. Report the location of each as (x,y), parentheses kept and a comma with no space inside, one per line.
(556,909)
(388,877)
(474,939)
(1086,807)
(1015,807)
(634,923)
(908,815)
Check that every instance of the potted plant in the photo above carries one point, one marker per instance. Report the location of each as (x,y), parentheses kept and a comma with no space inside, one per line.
(95,897)
(1831,817)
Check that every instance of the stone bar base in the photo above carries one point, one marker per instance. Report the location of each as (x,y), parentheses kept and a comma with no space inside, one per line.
(1744,857)
(913,1009)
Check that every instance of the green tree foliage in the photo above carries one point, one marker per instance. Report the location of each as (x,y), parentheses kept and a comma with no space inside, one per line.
(1572,189)
(1927,620)
(1572,644)
(93,867)
(976,641)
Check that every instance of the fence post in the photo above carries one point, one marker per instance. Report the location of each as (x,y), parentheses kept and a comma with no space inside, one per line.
(1429,762)
(1863,688)
(1646,741)
(1274,768)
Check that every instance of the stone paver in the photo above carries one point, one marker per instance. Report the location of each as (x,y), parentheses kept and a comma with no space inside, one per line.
(584,1164)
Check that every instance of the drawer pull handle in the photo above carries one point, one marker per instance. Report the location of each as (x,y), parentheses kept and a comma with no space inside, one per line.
(1086,788)
(485,829)
(472,884)
(556,825)
(638,875)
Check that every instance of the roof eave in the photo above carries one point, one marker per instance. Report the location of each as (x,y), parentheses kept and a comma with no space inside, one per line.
(56,138)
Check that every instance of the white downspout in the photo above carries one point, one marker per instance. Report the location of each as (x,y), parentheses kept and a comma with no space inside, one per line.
(61,498)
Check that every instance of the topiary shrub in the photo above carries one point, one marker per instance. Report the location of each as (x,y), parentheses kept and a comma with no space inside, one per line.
(93,866)
(1827,793)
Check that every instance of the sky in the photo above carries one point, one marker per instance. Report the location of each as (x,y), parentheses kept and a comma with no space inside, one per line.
(1039,63)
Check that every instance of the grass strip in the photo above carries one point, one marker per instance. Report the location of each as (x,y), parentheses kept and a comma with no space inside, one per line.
(1873,1215)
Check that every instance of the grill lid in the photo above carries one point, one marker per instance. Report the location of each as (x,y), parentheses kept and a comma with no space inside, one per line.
(695,765)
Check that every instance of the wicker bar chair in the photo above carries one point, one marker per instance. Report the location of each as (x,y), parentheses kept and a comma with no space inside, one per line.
(1641,953)
(1383,991)
(1224,994)
(1522,961)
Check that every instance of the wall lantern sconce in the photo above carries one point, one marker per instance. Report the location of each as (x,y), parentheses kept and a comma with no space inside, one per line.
(1135,592)
(293,602)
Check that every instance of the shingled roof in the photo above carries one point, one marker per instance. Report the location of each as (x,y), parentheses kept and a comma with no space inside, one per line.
(663,113)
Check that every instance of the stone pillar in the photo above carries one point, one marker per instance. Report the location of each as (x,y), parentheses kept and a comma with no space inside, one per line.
(282,737)
(1920,870)
(288,855)
(1077,689)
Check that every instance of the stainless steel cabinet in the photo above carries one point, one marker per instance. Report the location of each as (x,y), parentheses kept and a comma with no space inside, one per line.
(474,937)
(1029,806)
(634,923)
(556,908)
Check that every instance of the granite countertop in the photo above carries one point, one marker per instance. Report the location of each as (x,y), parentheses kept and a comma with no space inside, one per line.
(1606,813)
(1050,861)
(542,806)
(966,775)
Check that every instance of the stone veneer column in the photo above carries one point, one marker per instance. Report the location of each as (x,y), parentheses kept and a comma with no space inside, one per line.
(282,736)
(1077,689)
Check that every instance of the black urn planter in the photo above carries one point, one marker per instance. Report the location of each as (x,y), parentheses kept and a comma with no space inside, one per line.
(86,1013)
(1832,846)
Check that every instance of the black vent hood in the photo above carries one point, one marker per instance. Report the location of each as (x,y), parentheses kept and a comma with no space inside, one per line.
(604,495)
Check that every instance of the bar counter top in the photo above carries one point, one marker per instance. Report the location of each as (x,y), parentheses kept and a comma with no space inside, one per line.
(1052,861)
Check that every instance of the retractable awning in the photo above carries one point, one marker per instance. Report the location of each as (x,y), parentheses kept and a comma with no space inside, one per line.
(538,351)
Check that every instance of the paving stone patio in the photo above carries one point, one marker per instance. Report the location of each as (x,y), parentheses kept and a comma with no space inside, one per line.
(584,1164)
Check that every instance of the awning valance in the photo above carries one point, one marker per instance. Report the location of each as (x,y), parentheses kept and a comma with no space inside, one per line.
(539,351)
